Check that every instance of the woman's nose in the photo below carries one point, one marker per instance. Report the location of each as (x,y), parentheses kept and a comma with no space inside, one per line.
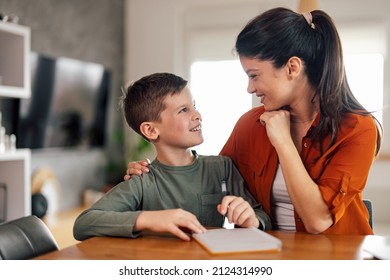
(250,89)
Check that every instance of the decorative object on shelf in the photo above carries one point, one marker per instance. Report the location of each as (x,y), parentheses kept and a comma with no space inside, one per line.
(9,18)
(2,139)
(45,186)
(3,202)
(38,205)
(7,142)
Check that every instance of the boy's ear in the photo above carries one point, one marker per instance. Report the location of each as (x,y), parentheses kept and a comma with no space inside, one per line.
(149,130)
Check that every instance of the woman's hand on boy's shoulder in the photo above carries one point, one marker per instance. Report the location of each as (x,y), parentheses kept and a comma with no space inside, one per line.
(136,168)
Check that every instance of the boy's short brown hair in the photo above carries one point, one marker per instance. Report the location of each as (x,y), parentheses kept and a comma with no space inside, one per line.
(143,100)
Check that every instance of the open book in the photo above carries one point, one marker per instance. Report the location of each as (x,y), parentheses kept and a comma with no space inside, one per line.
(237,240)
(378,246)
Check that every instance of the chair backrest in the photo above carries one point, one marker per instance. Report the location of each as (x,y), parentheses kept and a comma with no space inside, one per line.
(25,238)
(368,204)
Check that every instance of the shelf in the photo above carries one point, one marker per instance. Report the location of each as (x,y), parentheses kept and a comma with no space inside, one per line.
(19,154)
(15,173)
(15,63)
(15,166)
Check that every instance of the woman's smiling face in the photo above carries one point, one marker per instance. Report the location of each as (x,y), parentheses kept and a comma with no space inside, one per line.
(271,85)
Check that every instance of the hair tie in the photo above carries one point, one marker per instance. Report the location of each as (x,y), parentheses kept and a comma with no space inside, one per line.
(309,18)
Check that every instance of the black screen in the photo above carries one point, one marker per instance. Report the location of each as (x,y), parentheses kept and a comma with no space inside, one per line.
(68,105)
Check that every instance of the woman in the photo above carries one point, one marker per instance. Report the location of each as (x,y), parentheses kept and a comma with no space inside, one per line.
(305,154)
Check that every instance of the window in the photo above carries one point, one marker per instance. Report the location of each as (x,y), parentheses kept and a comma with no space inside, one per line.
(364,46)
(365,77)
(219,90)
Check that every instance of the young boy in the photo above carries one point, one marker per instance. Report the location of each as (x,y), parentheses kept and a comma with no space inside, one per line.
(183,191)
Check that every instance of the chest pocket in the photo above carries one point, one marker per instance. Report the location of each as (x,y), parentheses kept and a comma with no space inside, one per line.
(208,214)
(252,170)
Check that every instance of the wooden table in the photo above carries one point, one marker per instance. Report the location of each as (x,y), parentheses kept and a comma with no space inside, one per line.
(152,246)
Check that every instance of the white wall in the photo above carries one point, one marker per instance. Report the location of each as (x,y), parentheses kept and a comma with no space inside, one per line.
(157,35)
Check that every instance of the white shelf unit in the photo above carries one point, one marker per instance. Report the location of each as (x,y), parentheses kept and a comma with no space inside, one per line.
(15,173)
(15,166)
(15,62)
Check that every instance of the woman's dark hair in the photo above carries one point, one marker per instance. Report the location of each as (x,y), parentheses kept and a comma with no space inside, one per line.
(280,33)
(143,100)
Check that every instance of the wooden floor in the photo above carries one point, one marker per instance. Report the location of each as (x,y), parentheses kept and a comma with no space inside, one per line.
(61,226)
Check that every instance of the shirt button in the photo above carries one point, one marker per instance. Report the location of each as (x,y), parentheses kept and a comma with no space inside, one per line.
(305,145)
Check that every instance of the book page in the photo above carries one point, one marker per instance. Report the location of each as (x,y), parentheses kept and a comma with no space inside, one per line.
(378,246)
(222,241)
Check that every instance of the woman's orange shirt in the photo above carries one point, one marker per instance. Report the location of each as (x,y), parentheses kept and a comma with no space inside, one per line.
(340,173)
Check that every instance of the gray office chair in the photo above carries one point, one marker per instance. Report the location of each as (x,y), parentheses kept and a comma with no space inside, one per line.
(368,204)
(25,238)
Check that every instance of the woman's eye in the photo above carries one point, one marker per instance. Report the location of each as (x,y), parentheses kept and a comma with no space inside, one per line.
(253,76)
(183,110)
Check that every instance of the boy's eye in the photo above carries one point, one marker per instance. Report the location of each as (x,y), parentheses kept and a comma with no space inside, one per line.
(183,110)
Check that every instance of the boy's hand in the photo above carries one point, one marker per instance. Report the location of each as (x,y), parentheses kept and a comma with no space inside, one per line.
(238,211)
(175,221)
(136,168)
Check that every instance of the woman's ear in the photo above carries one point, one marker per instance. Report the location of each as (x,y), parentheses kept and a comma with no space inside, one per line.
(149,131)
(294,66)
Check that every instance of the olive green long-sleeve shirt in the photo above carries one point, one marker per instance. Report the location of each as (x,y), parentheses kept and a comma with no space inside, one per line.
(195,188)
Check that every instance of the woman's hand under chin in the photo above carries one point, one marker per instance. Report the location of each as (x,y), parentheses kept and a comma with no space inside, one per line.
(277,124)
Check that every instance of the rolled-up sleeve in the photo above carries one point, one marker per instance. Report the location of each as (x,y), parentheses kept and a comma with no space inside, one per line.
(341,173)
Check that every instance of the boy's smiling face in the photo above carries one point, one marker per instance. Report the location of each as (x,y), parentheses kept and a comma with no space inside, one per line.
(180,122)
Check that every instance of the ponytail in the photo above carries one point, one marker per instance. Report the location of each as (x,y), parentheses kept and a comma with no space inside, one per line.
(336,97)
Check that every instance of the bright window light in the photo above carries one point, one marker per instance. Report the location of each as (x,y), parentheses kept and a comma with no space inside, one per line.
(365,77)
(219,89)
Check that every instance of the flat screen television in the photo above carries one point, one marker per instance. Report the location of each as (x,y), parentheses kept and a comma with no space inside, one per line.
(68,104)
